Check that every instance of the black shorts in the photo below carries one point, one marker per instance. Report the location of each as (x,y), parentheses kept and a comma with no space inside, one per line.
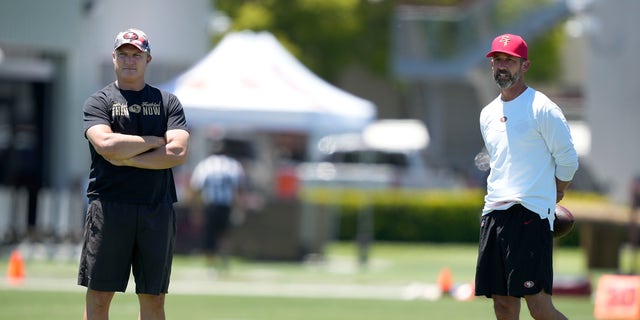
(515,254)
(217,222)
(123,238)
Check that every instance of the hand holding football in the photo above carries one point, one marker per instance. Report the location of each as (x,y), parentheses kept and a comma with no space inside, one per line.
(563,222)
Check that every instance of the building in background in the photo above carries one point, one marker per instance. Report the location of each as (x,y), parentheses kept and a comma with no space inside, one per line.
(53,55)
(612,108)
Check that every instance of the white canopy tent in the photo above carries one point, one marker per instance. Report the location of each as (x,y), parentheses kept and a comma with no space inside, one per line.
(250,81)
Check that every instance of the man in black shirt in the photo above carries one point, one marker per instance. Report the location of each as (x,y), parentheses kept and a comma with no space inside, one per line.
(136,134)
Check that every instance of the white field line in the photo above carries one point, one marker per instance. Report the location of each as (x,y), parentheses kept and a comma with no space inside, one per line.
(202,282)
(232,288)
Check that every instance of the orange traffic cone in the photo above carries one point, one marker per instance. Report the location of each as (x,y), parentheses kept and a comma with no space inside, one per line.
(15,272)
(445,280)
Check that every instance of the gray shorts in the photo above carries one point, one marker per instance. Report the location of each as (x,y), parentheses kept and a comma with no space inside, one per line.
(120,239)
(515,254)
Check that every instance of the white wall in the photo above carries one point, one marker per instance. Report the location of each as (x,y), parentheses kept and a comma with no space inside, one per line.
(611,92)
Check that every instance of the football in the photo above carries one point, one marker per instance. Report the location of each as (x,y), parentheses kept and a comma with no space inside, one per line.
(563,222)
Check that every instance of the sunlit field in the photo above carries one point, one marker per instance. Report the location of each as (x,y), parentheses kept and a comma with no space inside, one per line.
(395,283)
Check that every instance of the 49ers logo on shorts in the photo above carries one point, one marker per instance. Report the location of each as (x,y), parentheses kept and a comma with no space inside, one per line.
(528,284)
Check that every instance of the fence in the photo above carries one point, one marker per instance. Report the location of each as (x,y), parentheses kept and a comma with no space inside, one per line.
(59,215)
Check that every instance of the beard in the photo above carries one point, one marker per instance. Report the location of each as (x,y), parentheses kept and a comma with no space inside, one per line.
(504,79)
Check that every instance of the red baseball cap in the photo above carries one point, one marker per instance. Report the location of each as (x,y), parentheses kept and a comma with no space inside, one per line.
(510,44)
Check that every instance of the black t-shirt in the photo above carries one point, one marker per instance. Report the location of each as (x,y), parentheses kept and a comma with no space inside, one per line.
(142,113)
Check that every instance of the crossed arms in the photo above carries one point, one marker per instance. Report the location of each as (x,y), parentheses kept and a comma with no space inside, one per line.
(147,152)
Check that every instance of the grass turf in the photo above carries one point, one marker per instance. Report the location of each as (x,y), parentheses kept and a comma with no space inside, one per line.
(19,304)
(394,265)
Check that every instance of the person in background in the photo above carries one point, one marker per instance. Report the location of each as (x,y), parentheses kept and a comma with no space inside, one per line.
(218,184)
(137,134)
(532,161)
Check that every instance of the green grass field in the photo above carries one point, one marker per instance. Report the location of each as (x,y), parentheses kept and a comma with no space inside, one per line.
(332,288)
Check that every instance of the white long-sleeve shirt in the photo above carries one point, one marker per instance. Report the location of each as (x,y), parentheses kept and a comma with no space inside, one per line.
(529,145)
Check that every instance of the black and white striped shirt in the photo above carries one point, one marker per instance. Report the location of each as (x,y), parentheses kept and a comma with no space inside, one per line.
(217,178)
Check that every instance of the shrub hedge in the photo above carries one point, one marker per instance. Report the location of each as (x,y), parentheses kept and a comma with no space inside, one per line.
(409,215)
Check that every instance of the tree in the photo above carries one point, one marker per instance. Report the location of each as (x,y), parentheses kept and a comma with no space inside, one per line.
(326,35)
(329,35)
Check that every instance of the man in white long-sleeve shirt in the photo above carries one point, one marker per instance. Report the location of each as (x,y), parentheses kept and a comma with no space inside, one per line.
(532,162)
